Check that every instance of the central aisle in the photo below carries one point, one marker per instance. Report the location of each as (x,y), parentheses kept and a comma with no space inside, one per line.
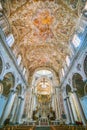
(43,128)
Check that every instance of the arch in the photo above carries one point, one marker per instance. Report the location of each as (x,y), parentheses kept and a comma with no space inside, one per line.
(45,68)
(50,71)
(54,75)
(85,65)
(7,83)
(1,65)
(77,82)
(39,81)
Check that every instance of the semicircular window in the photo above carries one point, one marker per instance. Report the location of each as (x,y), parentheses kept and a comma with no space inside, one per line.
(0,65)
(85,65)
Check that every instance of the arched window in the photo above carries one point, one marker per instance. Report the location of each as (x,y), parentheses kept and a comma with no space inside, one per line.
(63,73)
(76,41)
(19,59)
(15,52)
(10,40)
(67,60)
(24,71)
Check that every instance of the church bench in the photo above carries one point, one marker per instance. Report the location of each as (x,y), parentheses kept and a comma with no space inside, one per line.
(68,128)
(18,128)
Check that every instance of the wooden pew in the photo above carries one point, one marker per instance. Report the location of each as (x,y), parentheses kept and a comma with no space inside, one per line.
(65,127)
(18,128)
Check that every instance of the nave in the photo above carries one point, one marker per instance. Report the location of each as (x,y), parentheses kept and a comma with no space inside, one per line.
(43,64)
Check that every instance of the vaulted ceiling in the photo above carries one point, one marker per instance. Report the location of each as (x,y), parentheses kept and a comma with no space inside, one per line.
(42,29)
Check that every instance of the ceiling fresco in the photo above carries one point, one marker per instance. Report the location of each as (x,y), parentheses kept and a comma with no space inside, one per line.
(42,29)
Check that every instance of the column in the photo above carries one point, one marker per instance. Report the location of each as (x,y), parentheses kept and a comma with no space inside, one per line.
(70,110)
(21,109)
(8,106)
(14,110)
(79,106)
(56,110)
(59,103)
(67,111)
(57,116)
(31,108)
(59,108)
(34,105)
(73,107)
(29,104)
(28,112)
(53,102)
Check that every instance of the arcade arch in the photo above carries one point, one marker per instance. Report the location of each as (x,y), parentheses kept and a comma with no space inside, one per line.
(7,83)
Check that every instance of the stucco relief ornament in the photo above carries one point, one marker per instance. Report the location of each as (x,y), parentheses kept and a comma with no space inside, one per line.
(17,79)
(7,66)
(69,80)
(79,67)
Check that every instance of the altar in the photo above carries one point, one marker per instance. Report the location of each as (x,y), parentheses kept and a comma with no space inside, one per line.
(43,121)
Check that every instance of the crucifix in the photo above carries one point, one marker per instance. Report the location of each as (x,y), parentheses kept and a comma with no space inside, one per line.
(44,83)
